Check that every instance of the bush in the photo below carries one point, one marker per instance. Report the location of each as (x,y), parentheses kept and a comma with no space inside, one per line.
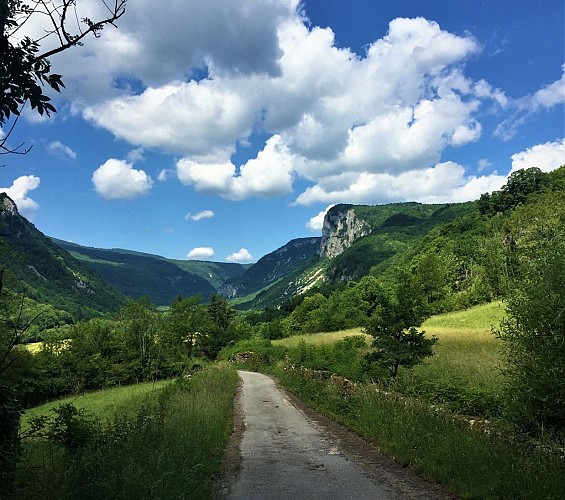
(264,351)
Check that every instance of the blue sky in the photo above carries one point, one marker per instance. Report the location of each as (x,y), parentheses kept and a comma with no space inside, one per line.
(220,130)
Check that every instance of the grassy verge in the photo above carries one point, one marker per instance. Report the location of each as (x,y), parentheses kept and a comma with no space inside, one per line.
(170,448)
(468,461)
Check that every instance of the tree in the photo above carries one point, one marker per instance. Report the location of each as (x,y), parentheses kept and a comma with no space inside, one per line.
(519,186)
(25,69)
(186,320)
(217,334)
(137,336)
(399,310)
(534,333)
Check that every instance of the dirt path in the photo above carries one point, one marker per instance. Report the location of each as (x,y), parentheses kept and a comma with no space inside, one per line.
(287,451)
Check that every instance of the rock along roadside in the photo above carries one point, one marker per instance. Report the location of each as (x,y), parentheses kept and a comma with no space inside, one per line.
(288,454)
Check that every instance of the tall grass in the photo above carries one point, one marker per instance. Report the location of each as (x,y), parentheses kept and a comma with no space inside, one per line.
(464,374)
(322,338)
(171,448)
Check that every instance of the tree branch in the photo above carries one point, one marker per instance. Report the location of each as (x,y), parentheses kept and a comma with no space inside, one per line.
(118,11)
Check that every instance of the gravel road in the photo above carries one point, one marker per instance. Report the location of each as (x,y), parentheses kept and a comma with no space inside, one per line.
(284,450)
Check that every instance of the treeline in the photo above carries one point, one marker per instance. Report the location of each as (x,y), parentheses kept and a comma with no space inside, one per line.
(141,343)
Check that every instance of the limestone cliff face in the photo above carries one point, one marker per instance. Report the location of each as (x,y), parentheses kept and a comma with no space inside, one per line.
(341,228)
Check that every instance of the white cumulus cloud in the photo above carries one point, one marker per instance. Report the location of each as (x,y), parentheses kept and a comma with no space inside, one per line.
(242,256)
(348,124)
(200,253)
(442,183)
(57,148)
(327,110)
(546,157)
(551,94)
(316,223)
(19,191)
(118,180)
(545,98)
(204,214)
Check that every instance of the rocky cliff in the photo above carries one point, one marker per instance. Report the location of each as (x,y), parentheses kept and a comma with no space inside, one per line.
(341,228)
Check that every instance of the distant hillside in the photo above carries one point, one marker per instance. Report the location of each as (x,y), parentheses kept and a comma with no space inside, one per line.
(46,273)
(272,267)
(391,230)
(137,274)
(355,239)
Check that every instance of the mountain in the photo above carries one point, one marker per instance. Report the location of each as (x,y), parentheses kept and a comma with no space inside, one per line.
(137,274)
(272,267)
(355,238)
(47,274)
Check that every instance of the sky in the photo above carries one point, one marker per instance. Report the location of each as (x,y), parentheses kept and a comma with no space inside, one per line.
(222,129)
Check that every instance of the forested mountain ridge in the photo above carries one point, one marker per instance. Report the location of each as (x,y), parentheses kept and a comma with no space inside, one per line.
(272,267)
(137,274)
(355,238)
(46,274)
(458,251)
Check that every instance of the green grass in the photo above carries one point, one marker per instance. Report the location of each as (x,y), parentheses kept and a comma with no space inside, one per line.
(319,338)
(171,447)
(479,318)
(468,355)
(104,403)
(465,357)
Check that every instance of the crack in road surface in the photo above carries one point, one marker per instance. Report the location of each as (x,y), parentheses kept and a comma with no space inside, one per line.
(287,454)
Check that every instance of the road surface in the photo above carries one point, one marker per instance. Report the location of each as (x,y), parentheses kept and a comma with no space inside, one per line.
(285,453)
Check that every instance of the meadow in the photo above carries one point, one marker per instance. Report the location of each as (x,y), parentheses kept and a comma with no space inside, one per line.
(467,355)
(105,403)
(141,442)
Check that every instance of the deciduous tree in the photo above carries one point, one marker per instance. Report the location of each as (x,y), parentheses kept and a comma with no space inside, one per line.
(400,310)
(25,69)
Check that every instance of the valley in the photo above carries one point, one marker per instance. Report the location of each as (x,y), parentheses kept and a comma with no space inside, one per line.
(407,323)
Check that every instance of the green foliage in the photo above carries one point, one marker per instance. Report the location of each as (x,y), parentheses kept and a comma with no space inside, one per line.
(9,437)
(534,333)
(217,333)
(23,72)
(24,66)
(517,190)
(393,324)
(171,447)
(343,358)
(72,428)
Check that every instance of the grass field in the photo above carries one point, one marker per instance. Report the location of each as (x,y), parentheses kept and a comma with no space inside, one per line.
(168,443)
(467,355)
(104,403)
(319,338)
